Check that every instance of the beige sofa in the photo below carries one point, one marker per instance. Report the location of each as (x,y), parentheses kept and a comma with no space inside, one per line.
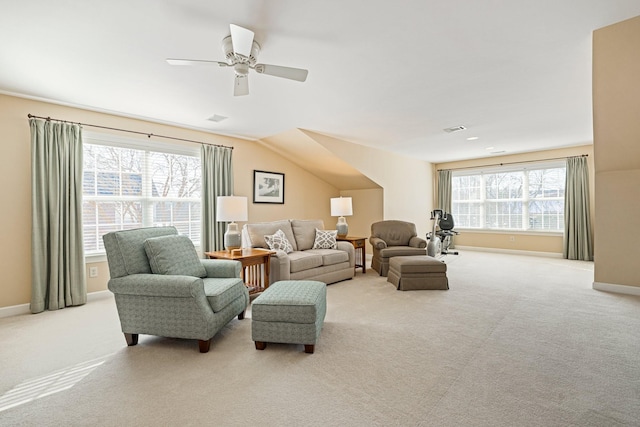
(303,263)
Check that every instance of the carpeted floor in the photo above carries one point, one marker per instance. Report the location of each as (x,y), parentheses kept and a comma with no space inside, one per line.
(516,341)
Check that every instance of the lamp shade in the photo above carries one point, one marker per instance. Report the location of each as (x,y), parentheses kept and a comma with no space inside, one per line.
(231,208)
(341,206)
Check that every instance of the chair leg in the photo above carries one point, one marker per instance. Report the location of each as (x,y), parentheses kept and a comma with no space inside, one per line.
(132,339)
(204,345)
(261,345)
(241,315)
(308,348)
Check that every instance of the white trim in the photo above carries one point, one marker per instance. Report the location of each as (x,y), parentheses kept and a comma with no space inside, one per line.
(510,251)
(618,289)
(515,232)
(17,310)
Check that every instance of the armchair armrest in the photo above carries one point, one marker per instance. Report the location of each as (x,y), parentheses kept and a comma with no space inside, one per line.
(377,242)
(222,267)
(157,285)
(417,242)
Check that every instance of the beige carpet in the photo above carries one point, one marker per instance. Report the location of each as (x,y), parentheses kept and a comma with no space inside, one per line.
(516,341)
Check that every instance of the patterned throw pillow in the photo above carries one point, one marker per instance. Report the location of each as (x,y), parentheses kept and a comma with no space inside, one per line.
(278,241)
(325,239)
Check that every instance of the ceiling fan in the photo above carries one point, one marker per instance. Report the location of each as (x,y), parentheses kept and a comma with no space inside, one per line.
(241,51)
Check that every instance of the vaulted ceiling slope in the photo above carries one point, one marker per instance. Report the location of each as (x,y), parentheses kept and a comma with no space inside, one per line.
(389,75)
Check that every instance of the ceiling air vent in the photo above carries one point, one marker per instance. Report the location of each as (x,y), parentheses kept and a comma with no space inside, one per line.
(217,118)
(454,129)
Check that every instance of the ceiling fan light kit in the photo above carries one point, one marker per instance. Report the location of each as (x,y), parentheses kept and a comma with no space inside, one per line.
(241,52)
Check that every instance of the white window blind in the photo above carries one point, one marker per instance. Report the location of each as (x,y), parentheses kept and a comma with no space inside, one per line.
(522,198)
(125,188)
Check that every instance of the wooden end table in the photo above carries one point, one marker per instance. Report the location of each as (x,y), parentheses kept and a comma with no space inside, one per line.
(359,243)
(255,266)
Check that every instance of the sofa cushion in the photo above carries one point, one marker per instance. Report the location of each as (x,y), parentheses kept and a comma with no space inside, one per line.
(173,255)
(304,231)
(258,230)
(278,241)
(331,256)
(394,251)
(304,260)
(325,239)
(220,292)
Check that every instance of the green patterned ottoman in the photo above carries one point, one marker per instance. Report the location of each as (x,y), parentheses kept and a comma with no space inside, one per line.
(290,312)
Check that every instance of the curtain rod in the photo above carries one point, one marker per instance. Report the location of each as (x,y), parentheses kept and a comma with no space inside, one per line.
(149,135)
(513,163)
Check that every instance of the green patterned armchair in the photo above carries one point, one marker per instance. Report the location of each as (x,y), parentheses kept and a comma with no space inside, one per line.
(162,288)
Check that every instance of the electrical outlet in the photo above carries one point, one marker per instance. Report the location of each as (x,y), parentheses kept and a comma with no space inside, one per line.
(93,271)
(512,238)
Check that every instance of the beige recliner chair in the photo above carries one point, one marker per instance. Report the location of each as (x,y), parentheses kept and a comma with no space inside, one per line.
(394,238)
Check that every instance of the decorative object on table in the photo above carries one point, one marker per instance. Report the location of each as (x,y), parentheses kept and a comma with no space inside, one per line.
(268,187)
(231,209)
(341,207)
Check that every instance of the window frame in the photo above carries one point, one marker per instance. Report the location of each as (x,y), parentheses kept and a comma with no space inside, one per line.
(524,199)
(118,141)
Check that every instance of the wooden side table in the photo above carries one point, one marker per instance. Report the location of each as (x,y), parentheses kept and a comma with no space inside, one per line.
(360,247)
(255,266)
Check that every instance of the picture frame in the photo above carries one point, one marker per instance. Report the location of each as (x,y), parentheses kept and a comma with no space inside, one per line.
(268,187)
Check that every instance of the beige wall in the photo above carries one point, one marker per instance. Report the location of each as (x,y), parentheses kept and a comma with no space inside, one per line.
(407,183)
(519,240)
(616,112)
(368,207)
(306,196)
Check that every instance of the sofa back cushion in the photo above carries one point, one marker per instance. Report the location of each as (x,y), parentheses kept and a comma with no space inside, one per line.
(393,232)
(256,232)
(304,231)
(125,249)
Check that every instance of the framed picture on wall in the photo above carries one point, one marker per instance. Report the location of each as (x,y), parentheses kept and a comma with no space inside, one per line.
(268,187)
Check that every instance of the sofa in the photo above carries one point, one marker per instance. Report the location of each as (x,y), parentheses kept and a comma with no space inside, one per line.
(392,238)
(162,288)
(295,256)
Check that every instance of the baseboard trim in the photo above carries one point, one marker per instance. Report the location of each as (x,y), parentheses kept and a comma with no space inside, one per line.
(510,251)
(617,289)
(20,309)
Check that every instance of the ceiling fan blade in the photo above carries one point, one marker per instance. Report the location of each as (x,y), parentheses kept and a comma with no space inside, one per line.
(174,61)
(286,72)
(242,40)
(241,86)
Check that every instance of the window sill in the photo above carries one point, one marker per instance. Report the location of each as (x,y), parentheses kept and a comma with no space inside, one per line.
(510,232)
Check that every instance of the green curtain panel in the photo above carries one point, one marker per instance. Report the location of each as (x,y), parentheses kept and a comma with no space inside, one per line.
(58,269)
(444,190)
(217,180)
(578,242)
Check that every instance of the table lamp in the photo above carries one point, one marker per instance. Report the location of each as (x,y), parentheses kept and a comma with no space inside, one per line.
(231,209)
(341,207)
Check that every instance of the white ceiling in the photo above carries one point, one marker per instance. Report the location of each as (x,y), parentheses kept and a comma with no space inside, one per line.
(384,74)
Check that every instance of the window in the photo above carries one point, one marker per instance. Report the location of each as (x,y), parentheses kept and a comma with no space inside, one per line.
(526,199)
(131,185)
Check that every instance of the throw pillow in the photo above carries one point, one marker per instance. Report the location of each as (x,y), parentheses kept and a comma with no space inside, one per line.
(278,241)
(174,255)
(325,239)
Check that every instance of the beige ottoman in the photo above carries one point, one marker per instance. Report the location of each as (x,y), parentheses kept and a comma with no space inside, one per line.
(417,272)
